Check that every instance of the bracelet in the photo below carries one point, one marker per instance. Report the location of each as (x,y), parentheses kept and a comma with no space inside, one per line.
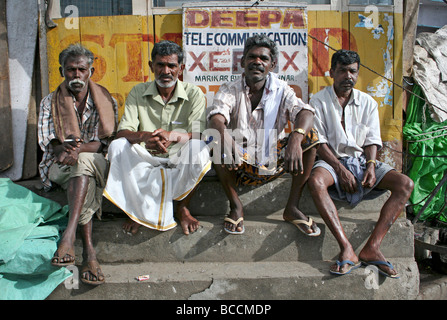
(300,130)
(373,161)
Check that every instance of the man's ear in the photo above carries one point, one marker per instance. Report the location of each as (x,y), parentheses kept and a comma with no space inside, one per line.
(150,66)
(243,62)
(182,68)
(92,71)
(61,71)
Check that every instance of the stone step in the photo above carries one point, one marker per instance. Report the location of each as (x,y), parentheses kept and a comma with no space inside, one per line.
(266,238)
(262,280)
(209,198)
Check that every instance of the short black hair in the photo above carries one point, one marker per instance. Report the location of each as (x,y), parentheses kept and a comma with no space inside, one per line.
(344,57)
(261,40)
(167,48)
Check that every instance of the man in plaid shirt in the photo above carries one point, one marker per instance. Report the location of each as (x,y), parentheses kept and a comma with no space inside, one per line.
(76,123)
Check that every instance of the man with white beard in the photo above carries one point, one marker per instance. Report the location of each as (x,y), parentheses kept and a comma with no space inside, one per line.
(158,156)
(76,124)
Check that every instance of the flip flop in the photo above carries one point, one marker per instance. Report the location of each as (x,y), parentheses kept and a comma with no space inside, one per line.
(93,268)
(344,262)
(382,263)
(309,223)
(70,253)
(234,223)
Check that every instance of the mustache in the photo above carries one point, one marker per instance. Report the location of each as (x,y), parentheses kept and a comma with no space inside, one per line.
(350,82)
(166,76)
(256,68)
(76,81)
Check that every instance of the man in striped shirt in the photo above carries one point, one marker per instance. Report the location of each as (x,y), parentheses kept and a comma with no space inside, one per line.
(254,108)
(76,123)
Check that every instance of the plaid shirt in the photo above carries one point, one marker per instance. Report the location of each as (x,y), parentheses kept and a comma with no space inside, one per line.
(45,130)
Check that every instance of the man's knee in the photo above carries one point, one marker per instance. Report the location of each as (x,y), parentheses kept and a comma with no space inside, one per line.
(316,182)
(406,185)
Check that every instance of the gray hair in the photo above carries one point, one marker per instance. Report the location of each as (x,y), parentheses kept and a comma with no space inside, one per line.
(167,48)
(261,40)
(75,50)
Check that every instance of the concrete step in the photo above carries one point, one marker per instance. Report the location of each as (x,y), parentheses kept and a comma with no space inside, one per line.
(209,198)
(265,239)
(271,260)
(262,280)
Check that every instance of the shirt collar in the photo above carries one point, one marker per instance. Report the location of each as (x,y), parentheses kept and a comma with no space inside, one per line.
(179,91)
(270,84)
(353,99)
(89,102)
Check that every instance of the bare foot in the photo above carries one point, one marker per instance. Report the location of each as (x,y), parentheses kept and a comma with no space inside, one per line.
(293,214)
(131,226)
(188,223)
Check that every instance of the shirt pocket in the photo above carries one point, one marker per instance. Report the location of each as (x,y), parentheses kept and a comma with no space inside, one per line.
(360,133)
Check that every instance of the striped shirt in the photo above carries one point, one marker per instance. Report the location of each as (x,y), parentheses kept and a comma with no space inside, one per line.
(45,131)
(233,102)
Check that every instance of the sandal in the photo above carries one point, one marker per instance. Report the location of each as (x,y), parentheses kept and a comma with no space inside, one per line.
(93,268)
(70,253)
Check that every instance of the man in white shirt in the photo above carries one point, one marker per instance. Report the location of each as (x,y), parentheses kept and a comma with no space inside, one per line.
(254,108)
(348,124)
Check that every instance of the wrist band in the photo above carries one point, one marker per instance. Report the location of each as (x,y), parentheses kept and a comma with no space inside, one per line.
(373,161)
(300,130)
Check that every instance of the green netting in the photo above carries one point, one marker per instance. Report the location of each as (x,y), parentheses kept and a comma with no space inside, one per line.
(427,148)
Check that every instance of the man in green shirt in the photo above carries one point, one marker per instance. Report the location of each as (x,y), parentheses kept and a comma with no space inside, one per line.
(158,155)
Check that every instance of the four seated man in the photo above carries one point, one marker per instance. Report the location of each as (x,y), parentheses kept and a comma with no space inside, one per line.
(339,127)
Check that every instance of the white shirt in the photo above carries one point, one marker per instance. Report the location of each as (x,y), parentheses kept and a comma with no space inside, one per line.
(361,122)
(279,104)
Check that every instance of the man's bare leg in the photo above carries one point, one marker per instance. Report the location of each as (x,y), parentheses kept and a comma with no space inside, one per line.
(188,223)
(292,211)
(89,256)
(76,191)
(318,183)
(228,180)
(401,187)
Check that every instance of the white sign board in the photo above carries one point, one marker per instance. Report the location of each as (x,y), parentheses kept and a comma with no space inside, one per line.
(214,38)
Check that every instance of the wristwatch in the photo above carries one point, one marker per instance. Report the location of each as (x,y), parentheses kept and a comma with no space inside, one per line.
(300,130)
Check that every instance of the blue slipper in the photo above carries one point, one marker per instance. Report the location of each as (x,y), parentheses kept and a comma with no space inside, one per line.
(382,263)
(344,262)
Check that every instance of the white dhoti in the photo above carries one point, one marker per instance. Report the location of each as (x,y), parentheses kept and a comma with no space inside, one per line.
(144,186)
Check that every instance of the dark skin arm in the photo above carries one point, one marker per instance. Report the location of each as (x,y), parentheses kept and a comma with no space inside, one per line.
(293,158)
(158,140)
(67,152)
(232,160)
(346,178)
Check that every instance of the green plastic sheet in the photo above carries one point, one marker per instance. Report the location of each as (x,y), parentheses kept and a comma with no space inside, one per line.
(29,230)
(427,159)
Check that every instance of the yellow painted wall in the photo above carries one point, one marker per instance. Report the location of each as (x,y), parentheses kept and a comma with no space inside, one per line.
(122,45)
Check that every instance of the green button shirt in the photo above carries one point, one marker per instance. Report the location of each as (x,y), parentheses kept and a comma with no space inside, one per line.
(145,109)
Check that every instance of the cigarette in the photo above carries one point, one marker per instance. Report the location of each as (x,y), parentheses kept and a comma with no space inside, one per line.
(143,277)
(72,140)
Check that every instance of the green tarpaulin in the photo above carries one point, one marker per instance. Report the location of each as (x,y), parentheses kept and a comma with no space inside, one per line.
(29,231)
(427,151)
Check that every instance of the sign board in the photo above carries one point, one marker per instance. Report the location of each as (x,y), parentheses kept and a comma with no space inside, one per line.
(214,38)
